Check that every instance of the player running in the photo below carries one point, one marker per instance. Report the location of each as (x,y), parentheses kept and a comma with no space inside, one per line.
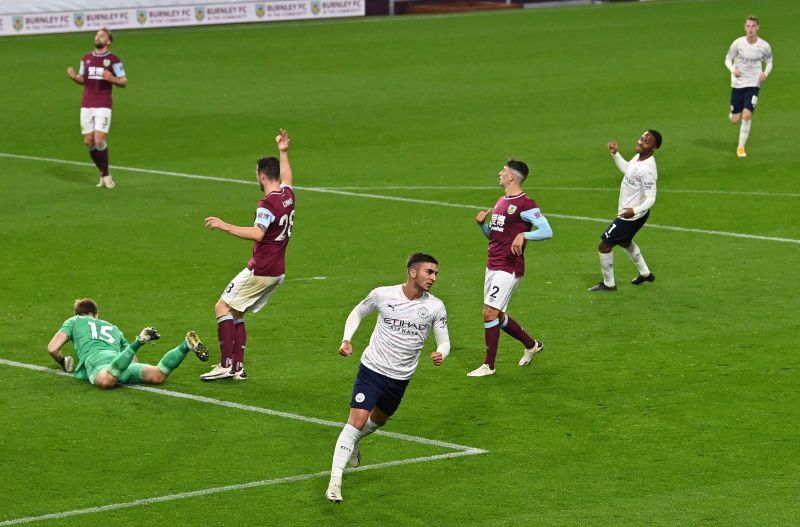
(637,194)
(406,315)
(251,289)
(99,72)
(105,358)
(744,60)
(508,231)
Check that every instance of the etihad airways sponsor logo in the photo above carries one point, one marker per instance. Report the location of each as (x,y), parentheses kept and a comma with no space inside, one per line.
(396,324)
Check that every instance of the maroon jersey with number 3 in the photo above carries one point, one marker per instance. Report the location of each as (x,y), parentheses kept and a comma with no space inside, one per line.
(269,255)
(505,224)
(96,91)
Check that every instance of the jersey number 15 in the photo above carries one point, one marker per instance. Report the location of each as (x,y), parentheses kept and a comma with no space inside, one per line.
(105,333)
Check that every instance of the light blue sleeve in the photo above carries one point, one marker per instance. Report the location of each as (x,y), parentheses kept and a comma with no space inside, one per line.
(264,217)
(485,228)
(119,69)
(82,68)
(537,219)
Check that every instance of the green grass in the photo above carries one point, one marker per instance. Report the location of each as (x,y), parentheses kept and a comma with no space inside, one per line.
(671,404)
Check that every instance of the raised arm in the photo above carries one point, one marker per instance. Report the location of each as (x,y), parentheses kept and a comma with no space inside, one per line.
(54,349)
(622,165)
(283,148)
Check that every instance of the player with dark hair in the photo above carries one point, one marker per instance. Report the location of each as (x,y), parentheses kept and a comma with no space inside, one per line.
(99,72)
(637,195)
(406,315)
(105,358)
(251,289)
(744,60)
(508,230)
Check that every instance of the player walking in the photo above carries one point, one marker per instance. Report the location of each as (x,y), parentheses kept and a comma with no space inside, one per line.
(406,315)
(105,358)
(508,230)
(637,194)
(251,289)
(99,72)
(744,60)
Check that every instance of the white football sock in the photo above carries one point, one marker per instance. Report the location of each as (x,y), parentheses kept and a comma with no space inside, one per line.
(370,427)
(607,268)
(636,255)
(744,131)
(348,438)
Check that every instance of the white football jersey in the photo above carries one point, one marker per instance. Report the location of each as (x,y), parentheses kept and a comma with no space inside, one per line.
(748,58)
(401,330)
(639,181)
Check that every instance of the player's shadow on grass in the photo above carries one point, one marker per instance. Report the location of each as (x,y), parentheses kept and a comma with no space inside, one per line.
(77,175)
(714,144)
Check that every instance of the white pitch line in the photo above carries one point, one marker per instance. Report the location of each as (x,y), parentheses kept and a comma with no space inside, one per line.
(406,200)
(574,189)
(250,408)
(410,187)
(461,451)
(228,488)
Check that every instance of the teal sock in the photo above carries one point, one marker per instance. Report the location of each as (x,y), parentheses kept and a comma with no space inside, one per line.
(173,358)
(121,362)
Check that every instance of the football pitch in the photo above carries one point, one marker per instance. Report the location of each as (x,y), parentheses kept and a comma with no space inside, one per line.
(672,403)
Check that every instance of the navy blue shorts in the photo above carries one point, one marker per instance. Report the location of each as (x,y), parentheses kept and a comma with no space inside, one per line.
(742,98)
(372,389)
(621,232)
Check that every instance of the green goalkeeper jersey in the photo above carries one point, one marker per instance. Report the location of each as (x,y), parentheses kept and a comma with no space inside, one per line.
(92,336)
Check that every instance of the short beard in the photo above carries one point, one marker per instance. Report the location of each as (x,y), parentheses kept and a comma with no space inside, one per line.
(99,46)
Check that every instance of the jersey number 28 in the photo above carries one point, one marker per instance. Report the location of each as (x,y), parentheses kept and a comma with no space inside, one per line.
(286,221)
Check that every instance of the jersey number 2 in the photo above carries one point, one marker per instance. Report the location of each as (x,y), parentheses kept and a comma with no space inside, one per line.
(105,333)
(286,221)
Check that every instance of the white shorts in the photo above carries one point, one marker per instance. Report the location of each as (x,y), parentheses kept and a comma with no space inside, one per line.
(98,119)
(498,288)
(248,292)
